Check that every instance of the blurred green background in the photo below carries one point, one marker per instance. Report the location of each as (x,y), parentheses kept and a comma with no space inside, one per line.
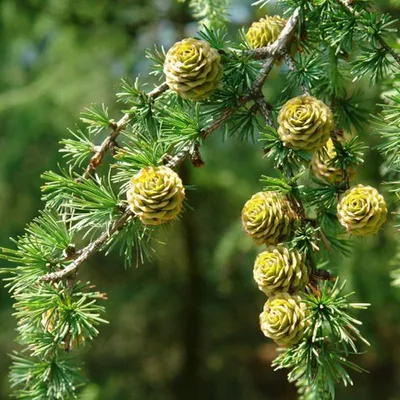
(186,325)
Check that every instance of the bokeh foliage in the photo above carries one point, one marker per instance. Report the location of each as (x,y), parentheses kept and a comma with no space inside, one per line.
(185,325)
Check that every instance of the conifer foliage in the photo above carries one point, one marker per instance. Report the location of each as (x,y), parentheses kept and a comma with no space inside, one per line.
(208,84)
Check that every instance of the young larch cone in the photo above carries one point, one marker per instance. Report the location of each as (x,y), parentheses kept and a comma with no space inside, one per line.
(193,69)
(305,123)
(325,169)
(156,195)
(265,31)
(268,218)
(362,210)
(283,319)
(280,270)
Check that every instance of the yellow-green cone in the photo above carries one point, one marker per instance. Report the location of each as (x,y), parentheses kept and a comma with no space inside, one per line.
(305,123)
(156,195)
(362,210)
(324,169)
(268,218)
(193,69)
(280,270)
(265,31)
(283,319)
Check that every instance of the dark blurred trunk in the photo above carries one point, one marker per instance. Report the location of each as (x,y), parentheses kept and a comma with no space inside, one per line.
(189,385)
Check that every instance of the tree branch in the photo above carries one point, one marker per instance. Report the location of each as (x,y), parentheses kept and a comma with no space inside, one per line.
(335,133)
(265,109)
(292,66)
(265,52)
(276,50)
(347,4)
(296,201)
(92,248)
(116,129)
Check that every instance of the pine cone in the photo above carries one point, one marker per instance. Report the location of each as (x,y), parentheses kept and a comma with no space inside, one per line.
(362,210)
(280,270)
(283,319)
(324,169)
(268,218)
(156,195)
(193,69)
(305,123)
(265,31)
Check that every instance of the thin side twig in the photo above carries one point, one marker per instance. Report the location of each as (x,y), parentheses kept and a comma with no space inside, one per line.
(334,137)
(292,66)
(265,109)
(347,4)
(116,129)
(89,250)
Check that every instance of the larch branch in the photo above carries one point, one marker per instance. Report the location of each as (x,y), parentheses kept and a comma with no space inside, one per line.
(347,4)
(92,248)
(292,66)
(276,50)
(265,109)
(116,129)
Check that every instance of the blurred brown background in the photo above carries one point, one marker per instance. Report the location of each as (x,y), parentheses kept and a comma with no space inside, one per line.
(186,325)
